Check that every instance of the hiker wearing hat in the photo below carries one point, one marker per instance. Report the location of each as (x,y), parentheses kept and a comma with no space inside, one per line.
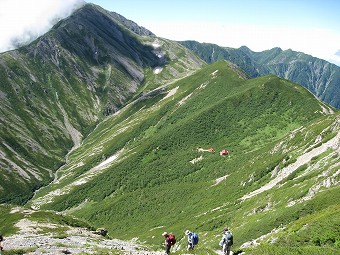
(170,240)
(190,239)
(226,241)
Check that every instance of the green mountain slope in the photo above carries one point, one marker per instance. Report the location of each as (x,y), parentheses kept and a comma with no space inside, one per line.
(318,76)
(57,89)
(104,125)
(146,169)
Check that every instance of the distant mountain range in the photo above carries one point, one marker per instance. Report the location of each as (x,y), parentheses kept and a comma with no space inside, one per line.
(105,125)
(318,76)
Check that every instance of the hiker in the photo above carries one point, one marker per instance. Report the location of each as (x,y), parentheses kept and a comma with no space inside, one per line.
(1,239)
(226,241)
(170,240)
(192,239)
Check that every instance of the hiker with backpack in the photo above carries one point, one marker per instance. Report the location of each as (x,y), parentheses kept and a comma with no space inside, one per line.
(192,239)
(226,241)
(170,240)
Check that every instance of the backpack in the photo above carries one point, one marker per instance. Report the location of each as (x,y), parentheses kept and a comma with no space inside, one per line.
(229,238)
(171,239)
(195,238)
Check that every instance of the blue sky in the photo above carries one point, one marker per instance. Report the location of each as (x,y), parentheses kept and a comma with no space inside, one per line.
(309,26)
(305,13)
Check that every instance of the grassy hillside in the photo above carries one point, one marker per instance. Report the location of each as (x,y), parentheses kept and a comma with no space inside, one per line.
(140,172)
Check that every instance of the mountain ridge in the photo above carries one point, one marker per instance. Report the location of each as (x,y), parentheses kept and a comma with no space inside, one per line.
(317,75)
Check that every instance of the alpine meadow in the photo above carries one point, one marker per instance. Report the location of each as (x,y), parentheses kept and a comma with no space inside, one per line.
(111,136)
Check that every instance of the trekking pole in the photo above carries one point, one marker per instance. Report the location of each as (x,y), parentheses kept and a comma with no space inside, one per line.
(177,245)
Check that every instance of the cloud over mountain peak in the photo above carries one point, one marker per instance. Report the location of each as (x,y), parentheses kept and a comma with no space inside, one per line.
(23,21)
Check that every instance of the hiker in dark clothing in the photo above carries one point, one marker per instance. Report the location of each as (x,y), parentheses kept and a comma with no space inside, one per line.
(170,240)
(226,241)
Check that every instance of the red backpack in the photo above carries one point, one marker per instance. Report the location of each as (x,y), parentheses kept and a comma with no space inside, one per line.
(171,239)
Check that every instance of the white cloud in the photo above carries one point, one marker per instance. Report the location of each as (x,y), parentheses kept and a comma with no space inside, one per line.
(22,21)
(335,58)
(320,43)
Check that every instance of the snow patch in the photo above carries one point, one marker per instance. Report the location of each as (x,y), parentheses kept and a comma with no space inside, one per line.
(156,44)
(157,70)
